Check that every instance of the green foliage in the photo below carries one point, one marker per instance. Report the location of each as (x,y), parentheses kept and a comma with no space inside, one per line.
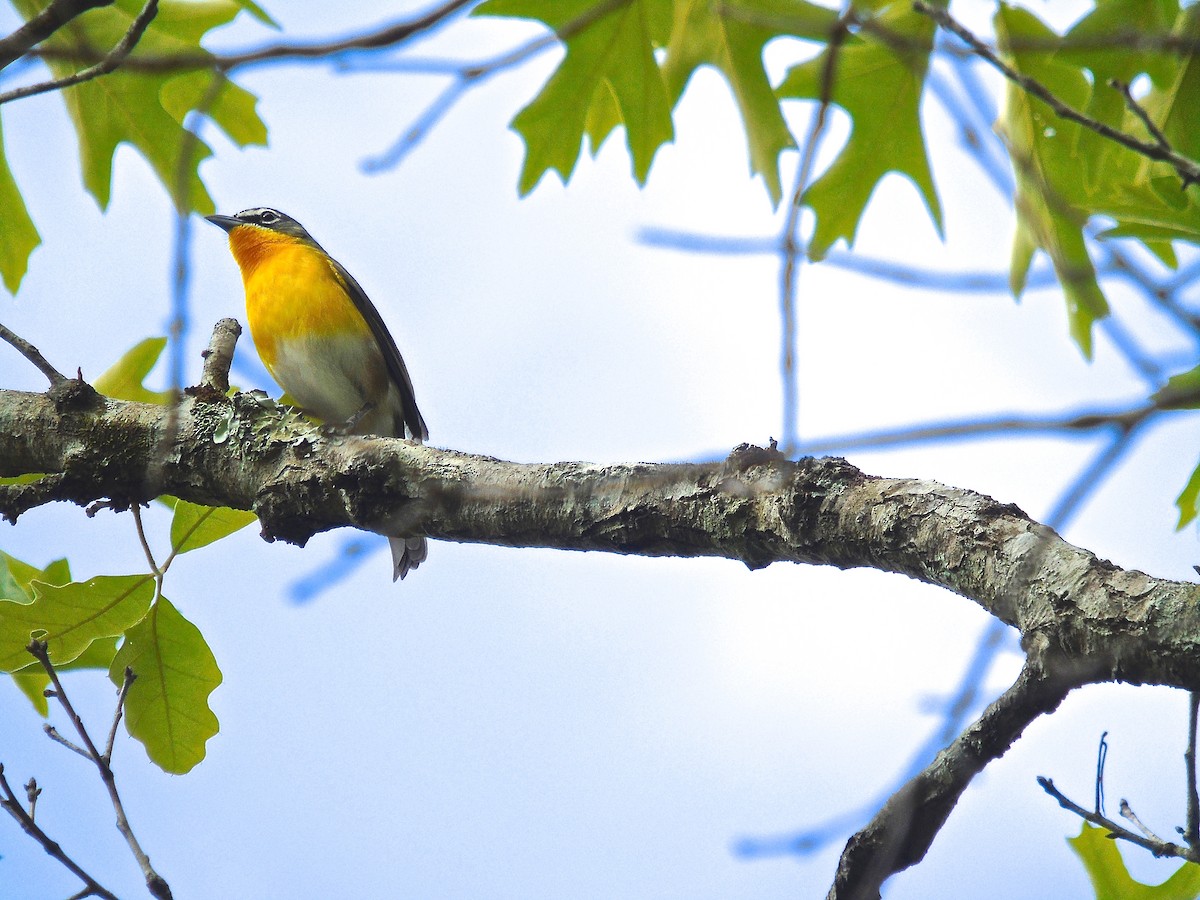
(143,108)
(18,235)
(69,617)
(167,706)
(611,75)
(1050,181)
(123,380)
(887,134)
(1112,881)
(194,526)
(1066,173)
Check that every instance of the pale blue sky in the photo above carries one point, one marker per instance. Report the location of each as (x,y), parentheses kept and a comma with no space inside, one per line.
(531,723)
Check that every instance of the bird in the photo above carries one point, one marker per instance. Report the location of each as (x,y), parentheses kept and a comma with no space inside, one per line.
(323,340)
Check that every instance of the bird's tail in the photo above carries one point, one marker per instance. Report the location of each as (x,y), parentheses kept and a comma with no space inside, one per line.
(407,554)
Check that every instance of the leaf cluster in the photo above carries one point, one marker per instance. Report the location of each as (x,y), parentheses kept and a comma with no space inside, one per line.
(114,622)
(146,109)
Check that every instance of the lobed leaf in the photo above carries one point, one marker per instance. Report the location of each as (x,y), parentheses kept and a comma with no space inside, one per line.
(167,705)
(69,617)
(1111,879)
(879,84)
(1052,200)
(128,105)
(609,76)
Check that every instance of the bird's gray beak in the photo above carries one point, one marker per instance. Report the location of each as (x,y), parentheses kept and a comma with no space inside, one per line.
(226,222)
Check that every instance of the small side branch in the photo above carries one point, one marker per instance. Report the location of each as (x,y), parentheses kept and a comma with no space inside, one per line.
(32,354)
(156,884)
(1148,840)
(219,355)
(11,805)
(903,830)
(1188,169)
(114,58)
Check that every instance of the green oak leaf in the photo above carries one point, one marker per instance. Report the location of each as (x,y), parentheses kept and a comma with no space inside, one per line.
(15,580)
(167,705)
(147,108)
(1188,501)
(123,379)
(195,526)
(1182,391)
(18,235)
(1097,155)
(730,38)
(879,84)
(70,617)
(610,67)
(1052,198)
(1111,879)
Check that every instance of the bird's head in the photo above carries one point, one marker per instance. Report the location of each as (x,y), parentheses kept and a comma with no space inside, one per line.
(263,217)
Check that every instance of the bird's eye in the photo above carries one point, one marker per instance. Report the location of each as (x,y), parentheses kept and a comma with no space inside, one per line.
(269,217)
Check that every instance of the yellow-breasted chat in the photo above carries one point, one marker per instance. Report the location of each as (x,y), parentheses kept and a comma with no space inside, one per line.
(322,339)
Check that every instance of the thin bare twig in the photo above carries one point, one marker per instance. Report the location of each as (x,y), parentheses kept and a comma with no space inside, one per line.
(54,735)
(1157,846)
(1188,169)
(32,354)
(126,683)
(110,62)
(1138,110)
(387,36)
(1128,813)
(156,884)
(12,805)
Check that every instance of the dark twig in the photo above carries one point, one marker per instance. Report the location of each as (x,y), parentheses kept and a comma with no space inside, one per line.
(1188,169)
(126,683)
(1138,110)
(12,805)
(32,354)
(1101,759)
(154,882)
(387,36)
(1157,846)
(57,14)
(110,62)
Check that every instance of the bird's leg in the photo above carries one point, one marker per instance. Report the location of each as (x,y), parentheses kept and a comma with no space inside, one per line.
(351,423)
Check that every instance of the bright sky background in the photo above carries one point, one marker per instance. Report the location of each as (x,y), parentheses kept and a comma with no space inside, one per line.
(530,723)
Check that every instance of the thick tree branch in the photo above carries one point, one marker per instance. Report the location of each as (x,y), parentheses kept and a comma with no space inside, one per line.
(755,506)
(903,830)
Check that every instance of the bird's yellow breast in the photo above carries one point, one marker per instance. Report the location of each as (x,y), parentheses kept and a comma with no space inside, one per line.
(293,291)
